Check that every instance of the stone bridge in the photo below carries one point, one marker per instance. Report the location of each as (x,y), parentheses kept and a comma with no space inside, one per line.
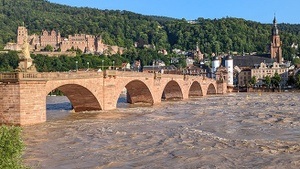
(23,95)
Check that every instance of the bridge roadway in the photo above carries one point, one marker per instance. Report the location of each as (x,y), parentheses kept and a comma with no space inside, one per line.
(23,95)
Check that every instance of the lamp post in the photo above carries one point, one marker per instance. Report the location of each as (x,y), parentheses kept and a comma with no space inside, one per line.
(76,65)
(153,66)
(113,65)
(102,65)
(88,64)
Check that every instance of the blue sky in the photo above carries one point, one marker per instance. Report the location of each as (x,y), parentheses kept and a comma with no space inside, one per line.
(287,11)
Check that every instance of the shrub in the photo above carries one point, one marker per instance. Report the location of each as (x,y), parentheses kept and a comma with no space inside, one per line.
(11,147)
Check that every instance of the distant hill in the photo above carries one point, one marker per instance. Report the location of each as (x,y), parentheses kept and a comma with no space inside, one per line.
(124,28)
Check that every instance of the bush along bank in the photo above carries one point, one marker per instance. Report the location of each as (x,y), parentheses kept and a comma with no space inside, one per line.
(11,147)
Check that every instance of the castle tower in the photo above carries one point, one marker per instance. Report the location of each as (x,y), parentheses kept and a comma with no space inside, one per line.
(58,38)
(229,67)
(275,48)
(22,34)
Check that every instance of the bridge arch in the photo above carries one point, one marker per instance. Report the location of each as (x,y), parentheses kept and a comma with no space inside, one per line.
(137,92)
(81,98)
(211,90)
(171,91)
(195,90)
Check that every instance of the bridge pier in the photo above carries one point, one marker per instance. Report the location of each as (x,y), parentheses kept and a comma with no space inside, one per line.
(22,103)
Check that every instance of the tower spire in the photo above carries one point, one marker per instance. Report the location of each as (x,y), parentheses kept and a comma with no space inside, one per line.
(275,50)
(274,20)
(275,28)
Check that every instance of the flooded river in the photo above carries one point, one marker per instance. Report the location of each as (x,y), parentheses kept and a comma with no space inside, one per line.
(238,130)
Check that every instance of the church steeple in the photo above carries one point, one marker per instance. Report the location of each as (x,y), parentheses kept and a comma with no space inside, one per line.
(275,47)
(275,28)
(274,20)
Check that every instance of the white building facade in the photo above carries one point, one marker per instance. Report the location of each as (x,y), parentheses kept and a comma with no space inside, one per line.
(229,67)
(215,66)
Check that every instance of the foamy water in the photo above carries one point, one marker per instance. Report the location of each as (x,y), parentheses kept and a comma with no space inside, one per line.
(239,130)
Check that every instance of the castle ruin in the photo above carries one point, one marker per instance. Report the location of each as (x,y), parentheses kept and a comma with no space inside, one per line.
(85,43)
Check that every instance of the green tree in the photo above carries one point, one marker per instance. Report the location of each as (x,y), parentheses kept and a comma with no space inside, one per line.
(267,81)
(298,80)
(9,61)
(78,51)
(253,81)
(276,79)
(48,48)
(296,61)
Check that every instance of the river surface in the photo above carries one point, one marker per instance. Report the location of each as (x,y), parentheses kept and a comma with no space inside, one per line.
(238,130)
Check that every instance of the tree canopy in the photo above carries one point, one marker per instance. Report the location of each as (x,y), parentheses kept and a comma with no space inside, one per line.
(124,28)
(276,79)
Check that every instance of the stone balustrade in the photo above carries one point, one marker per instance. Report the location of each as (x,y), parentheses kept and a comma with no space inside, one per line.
(18,76)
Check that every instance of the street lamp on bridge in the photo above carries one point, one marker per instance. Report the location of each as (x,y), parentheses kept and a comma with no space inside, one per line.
(153,64)
(76,65)
(113,65)
(88,64)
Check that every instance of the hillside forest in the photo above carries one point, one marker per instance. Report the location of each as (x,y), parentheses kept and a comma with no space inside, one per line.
(124,29)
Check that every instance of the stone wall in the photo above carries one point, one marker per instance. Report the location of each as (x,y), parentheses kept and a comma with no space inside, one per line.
(56,54)
(10,103)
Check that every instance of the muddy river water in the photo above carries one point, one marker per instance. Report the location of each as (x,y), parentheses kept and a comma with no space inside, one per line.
(238,130)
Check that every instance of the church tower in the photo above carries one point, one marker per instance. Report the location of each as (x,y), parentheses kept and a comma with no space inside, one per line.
(275,48)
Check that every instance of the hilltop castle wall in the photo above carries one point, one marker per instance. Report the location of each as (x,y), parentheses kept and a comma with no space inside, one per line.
(83,42)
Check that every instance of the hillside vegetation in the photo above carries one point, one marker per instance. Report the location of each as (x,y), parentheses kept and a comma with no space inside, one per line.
(123,28)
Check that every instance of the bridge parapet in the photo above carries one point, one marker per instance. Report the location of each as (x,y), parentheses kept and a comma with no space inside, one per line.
(110,73)
(157,76)
(10,77)
(19,76)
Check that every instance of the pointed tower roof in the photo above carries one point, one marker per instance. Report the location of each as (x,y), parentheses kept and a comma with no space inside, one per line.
(275,20)
(275,30)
